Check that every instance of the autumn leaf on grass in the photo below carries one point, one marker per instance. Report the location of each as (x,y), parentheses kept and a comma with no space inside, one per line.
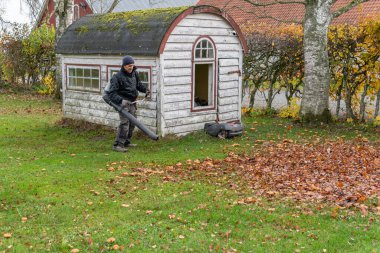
(364,210)
(171,216)
(149,211)
(74,251)
(111,240)
(7,235)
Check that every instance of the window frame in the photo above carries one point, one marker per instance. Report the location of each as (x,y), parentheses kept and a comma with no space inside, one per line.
(82,66)
(147,69)
(211,61)
(76,10)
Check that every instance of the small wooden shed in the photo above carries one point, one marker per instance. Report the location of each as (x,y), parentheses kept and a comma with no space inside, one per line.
(190,58)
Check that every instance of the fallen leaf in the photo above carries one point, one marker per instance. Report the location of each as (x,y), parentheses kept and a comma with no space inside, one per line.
(24,219)
(125,205)
(364,210)
(74,251)
(149,212)
(7,235)
(111,240)
(115,247)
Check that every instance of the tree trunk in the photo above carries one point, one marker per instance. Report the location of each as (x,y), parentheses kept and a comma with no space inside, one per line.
(252,97)
(64,15)
(348,101)
(377,103)
(270,96)
(315,99)
(362,102)
(338,99)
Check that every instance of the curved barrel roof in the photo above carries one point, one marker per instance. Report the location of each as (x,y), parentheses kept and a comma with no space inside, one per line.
(142,32)
(135,32)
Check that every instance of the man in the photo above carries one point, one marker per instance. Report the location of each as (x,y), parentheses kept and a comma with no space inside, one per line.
(123,90)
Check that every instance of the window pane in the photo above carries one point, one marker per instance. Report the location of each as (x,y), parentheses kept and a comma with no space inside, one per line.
(95,73)
(95,83)
(87,82)
(204,43)
(144,77)
(210,53)
(209,44)
(79,82)
(87,72)
(199,45)
(79,72)
(197,53)
(71,81)
(71,72)
(204,53)
(113,72)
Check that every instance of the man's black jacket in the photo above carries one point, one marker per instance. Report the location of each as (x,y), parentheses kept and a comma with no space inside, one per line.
(125,86)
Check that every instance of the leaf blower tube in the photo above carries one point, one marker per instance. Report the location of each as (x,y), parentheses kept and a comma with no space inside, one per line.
(131,118)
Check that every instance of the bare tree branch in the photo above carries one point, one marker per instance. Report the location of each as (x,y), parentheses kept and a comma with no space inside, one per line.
(34,9)
(113,5)
(257,3)
(347,7)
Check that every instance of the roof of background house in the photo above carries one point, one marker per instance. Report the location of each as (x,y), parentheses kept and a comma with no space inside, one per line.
(244,13)
(136,32)
(132,5)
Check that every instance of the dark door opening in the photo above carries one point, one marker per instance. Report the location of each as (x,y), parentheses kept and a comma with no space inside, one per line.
(203,89)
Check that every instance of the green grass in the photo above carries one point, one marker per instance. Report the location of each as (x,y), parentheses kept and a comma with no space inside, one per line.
(48,173)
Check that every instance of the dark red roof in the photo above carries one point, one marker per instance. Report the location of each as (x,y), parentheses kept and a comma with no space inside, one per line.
(244,13)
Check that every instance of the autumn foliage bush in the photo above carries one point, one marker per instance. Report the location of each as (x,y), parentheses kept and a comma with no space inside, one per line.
(275,63)
(27,58)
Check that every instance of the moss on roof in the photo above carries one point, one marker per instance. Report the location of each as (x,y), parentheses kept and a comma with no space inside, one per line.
(137,32)
(137,21)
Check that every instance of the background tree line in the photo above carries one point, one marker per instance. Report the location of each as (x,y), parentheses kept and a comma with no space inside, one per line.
(276,63)
(27,58)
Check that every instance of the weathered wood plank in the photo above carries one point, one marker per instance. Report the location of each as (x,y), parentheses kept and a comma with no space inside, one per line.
(171,98)
(179,46)
(228,108)
(202,30)
(191,120)
(178,89)
(180,80)
(229,93)
(185,105)
(202,23)
(218,39)
(228,62)
(177,72)
(228,84)
(172,63)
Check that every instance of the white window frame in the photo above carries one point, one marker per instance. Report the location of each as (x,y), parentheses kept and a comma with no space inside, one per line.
(76,87)
(111,69)
(76,10)
(212,76)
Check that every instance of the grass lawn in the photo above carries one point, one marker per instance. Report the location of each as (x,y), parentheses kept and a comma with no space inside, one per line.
(57,193)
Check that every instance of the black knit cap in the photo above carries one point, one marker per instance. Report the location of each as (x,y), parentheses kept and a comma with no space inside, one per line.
(128,60)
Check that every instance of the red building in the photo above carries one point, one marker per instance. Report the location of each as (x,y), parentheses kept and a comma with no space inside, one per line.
(245,13)
(47,14)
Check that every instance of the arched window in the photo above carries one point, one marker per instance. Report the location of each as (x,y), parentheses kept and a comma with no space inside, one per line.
(203,86)
(76,12)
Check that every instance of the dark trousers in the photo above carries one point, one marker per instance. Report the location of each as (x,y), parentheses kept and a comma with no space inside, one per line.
(125,129)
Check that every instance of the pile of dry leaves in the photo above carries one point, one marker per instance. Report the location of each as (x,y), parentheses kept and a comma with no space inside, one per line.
(342,173)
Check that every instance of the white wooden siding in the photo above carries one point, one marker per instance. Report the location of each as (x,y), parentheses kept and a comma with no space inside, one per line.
(177,74)
(89,106)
